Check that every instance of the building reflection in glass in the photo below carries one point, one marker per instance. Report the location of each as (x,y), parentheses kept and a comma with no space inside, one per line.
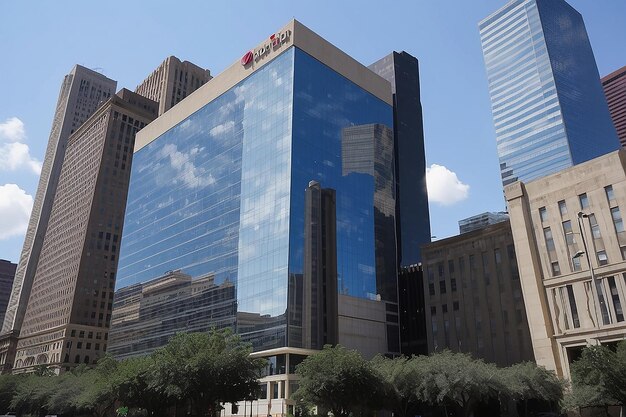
(146,315)
(228,193)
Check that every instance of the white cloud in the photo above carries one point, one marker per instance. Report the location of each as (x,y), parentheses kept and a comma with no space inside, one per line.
(15,155)
(219,129)
(444,187)
(12,130)
(15,208)
(190,175)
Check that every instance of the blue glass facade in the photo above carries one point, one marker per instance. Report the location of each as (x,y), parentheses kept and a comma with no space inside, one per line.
(222,195)
(548,107)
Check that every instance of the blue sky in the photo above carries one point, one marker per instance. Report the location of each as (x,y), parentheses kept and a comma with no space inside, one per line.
(40,42)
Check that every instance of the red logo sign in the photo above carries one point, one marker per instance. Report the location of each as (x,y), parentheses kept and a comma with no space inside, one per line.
(247,58)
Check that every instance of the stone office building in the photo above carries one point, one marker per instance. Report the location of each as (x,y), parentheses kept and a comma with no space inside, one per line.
(570,241)
(474,301)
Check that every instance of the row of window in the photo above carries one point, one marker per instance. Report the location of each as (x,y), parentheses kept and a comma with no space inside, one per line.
(609,309)
(473,269)
(570,235)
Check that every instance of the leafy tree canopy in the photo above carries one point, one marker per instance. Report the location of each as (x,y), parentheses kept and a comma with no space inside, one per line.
(339,380)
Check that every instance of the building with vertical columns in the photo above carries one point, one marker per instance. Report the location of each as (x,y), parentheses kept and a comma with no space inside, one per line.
(614,85)
(172,81)
(549,110)
(474,301)
(68,312)
(276,178)
(571,248)
(82,92)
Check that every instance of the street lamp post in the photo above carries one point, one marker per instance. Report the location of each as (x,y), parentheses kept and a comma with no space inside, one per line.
(596,297)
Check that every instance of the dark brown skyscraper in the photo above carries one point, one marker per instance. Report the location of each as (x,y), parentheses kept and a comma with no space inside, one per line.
(614,86)
(82,92)
(7,273)
(320,267)
(69,309)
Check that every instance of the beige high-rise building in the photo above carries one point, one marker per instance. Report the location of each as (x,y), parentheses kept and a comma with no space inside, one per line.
(172,81)
(68,312)
(82,92)
(473,296)
(571,248)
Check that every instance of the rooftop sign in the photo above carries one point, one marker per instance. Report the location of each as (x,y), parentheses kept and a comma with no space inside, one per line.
(274,42)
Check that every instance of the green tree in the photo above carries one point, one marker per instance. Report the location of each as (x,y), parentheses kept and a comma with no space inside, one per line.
(527,381)
(68,387)
(339,380)
(8,386)
(598,377)
(135,384)
(402,378)
(206,369)
(456,378)
(32,394)
(100,390)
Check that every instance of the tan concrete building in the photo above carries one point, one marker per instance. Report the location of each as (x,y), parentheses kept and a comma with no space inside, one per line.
(68,312)
(172,81)
(571,248)
(473,296)
(82,92)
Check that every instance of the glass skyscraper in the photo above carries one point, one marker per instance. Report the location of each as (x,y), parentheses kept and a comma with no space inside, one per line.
(251,201)
(548,106)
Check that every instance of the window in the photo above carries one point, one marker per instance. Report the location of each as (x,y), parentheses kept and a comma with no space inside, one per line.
(433,311)
(576,264)
(562,208)
(617,220)
(431,274)
(595,228)
(602,258)
(609,193)
(556,270)
(568,301)
(606,316)
(453,284)
(584,201)
(617,305)
(547,233)
(543,214)
(569,233)
(444,308)
(455,306)
(462,272)
(485,260)
(442,287)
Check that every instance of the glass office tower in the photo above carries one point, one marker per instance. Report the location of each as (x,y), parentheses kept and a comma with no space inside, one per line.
(219,230)
(548,107)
